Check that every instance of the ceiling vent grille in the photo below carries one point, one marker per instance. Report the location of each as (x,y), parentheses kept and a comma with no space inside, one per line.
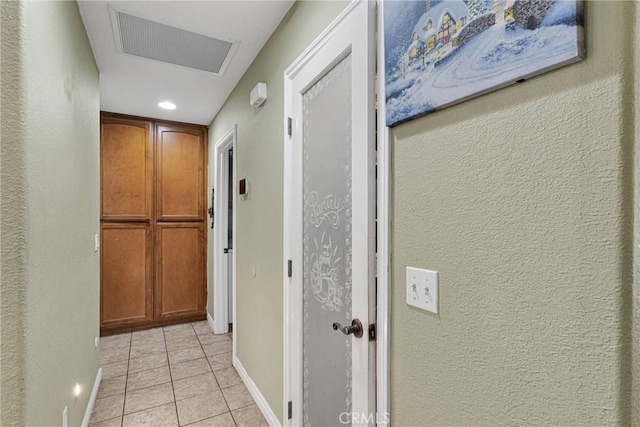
(153,40)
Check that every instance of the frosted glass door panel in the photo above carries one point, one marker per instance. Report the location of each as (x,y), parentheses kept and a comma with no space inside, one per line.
(327,275)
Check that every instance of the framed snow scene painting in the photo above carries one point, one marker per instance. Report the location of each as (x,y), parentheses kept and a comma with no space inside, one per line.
(441,52)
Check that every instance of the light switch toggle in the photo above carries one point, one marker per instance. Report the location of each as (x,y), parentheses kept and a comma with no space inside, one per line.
(422,289)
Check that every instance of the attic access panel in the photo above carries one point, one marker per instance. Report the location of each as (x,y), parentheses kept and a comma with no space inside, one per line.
(153,40)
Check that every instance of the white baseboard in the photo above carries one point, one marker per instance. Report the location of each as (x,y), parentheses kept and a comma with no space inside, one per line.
(92,399)
(268,413)
(211,324)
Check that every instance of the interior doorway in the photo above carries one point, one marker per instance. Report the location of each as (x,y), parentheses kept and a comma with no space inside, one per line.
(224,233)
(330,223)
(229,248)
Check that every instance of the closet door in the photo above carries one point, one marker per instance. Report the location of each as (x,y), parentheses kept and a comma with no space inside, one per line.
(180,289)
(180,271)
(126,216)
(126,266)
(180,173)
(126,170)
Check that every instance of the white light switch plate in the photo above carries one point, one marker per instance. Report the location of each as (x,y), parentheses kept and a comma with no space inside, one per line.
(422,289)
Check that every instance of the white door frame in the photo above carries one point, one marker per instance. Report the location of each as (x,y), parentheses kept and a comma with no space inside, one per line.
(293,221)
(383,203)
(220,237)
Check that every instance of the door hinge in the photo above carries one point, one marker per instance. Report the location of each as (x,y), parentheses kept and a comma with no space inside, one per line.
(289,126)
(289,410)
(289,268)
(372,331)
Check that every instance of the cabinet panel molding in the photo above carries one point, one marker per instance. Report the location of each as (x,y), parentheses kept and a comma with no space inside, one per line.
(126,170)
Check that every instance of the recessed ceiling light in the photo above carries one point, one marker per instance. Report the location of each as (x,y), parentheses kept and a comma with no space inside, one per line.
(167,105)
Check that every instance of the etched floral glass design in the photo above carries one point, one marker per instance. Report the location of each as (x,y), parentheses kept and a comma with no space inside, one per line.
(327,246)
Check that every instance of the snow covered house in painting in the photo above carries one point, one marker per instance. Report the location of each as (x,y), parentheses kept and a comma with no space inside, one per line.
(437,27)
(439,52)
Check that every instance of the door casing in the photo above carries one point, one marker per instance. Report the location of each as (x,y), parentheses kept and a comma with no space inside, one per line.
(383,203)
(220,238)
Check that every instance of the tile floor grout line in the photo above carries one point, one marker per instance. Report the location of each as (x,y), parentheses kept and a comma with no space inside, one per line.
(217,382)
(124,400)
(214,378)
(157,406)
(175,403)
(210,367)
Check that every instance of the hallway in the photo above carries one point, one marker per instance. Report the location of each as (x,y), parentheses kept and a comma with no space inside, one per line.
(515,215)
(176,375)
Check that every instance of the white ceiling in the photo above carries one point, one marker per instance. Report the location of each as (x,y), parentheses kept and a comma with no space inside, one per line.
(134,85)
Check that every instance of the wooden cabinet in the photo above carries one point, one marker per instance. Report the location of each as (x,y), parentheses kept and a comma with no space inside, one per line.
(126,170)
(179,269)
(180,174)
(126,267)
(152,223)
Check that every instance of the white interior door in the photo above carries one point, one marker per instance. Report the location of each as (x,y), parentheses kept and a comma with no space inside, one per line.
(330,226)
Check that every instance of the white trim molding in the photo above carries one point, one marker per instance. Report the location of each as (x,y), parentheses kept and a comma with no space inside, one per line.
(262,403)
(383,405)
(212,324)
(220,270)
(92,399)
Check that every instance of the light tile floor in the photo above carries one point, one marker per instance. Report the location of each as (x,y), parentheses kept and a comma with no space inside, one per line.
(173,376)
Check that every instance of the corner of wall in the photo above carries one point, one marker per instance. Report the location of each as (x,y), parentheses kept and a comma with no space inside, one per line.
(58,212)
(259,217)
(634,309)
(12,227)
(210,179)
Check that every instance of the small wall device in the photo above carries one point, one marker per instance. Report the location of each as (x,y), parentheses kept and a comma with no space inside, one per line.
(258,95)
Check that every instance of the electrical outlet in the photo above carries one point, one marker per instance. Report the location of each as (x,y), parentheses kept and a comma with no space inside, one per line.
(96,242)
(65,418)
(422,289)
(96,341)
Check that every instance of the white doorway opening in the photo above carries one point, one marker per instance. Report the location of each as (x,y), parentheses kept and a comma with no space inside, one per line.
(224,232)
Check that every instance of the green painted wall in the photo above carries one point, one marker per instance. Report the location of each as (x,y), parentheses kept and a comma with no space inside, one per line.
(260,159)
(56,212)
(11,215)
(634,297)
(521,199)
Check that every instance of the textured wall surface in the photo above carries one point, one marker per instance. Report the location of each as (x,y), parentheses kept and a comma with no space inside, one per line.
(58,169)
(12,262)
(520,199)
(62,163)
(260,159)
(635,297)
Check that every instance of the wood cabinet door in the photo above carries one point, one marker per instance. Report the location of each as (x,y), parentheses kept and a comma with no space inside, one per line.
(180,272)
(126,170)
(126,268)
(180,173)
